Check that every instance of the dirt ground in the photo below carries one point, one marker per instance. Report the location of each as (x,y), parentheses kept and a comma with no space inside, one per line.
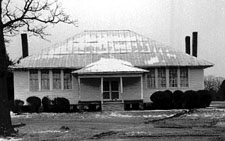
(200,124)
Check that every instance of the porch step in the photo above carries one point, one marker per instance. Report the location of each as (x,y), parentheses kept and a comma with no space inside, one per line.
(112,106)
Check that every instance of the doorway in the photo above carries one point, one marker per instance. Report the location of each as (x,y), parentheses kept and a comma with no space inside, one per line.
(111,90)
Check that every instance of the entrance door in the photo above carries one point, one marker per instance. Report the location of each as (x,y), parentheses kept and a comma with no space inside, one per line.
(111,90)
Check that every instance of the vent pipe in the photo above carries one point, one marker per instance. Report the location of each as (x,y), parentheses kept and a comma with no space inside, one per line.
(195,44)
(187,45)
(24,45)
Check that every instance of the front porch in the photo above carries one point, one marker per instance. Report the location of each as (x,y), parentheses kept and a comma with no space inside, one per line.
(110,81)
(112,92)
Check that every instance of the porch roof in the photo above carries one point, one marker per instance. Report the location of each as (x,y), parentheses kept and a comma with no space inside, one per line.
(109,66)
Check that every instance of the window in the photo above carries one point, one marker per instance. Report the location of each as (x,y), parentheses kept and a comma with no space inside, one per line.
(67,80)
(56,76)
(173,78)
(45,79)
(110,90)
(162,78)
(183,77)
(151,78)
(33,80)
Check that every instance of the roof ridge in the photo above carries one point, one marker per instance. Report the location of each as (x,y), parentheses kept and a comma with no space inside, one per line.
(105,30)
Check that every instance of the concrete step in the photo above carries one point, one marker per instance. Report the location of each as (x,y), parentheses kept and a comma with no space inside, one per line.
(113,106)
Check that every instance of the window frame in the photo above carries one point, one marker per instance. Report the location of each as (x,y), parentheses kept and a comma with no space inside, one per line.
(162,78)
(31,79)
(66,81)
(173,78)
(151,79)
(184,79)
(56,79)
(47,78)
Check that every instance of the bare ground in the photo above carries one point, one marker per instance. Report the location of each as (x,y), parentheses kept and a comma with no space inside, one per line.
(200,124)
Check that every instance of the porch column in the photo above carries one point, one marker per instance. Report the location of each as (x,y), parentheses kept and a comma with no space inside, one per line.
(142,95)
(78,79)
(101,96)
(121,88)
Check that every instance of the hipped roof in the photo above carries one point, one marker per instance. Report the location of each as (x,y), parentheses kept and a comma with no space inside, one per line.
(108,66)
(89,46)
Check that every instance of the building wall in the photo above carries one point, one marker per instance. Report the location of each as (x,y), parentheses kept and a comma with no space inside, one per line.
(196,82)
(90,89)
(22,92)
(131,88)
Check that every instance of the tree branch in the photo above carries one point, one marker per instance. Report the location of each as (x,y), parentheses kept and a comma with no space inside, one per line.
(34,16)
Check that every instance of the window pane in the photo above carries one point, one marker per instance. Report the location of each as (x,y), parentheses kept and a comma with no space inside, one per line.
(173,77)
(162,78)
(184,77)
(67,80)
(56,79)
(115,95)
(115,86)
(105,86)
(45,80)
(106,95)
(151,78)
(34,80)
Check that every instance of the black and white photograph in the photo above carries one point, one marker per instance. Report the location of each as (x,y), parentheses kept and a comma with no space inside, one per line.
(112,70)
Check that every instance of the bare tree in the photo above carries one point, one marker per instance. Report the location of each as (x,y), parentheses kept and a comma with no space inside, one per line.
(30,15)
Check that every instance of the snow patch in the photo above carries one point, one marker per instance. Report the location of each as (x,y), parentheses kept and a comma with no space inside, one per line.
(153,60)
(120,115)
(160,51)
(49,131)
(10,139)
(171,55)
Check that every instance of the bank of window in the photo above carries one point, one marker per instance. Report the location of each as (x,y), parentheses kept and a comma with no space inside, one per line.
(67,80)
(56,78)
(173,78)
(45,79)
(183,77)
(161,78)
(151,78)
(34,80)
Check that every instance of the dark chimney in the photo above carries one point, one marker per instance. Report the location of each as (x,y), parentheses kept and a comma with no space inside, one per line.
(24,45)
(187,45)
(194,43)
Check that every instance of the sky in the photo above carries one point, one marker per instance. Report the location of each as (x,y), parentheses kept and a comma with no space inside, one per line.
(167,21)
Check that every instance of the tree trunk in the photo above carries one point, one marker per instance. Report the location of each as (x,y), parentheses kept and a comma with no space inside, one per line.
(6,128)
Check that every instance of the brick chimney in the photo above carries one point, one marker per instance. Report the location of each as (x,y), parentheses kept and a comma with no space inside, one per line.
(187,45)
(195,44)
(24,45)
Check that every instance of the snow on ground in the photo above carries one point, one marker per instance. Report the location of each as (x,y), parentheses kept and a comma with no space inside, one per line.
(10,139)
(199,113)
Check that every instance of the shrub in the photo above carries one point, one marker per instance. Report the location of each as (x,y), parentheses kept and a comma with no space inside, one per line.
(34,103)
(191,100)
(162,100)
(178,99)
(205,98)
(61,104)
(47,104)
(17,108)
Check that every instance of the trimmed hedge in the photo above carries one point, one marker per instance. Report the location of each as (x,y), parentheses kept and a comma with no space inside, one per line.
(34,103)
(61,104)
(162,100)
(18,104)
(205,97)
(178,99)
(47,104)
(58,104)
(190,100)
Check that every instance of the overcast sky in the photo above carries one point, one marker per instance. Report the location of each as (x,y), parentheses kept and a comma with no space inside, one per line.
(167,21)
